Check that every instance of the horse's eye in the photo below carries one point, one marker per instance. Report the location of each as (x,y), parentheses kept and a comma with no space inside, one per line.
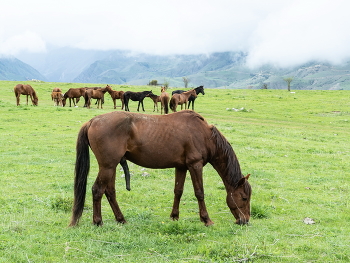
(244,198)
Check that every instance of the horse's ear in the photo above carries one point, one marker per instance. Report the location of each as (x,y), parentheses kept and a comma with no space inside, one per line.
(243,180)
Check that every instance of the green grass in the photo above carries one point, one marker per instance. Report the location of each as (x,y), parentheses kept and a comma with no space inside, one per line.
(295,146)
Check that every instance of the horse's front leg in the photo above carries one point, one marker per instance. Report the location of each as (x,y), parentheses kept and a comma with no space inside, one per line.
(180,176)
(196,171)
(27,99)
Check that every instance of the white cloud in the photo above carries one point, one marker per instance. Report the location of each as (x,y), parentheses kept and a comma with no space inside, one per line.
(280,32)
(28,41)
(303,31)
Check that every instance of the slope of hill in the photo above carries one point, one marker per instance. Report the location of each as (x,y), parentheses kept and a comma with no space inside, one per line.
(217,70)
(124,67)
(14,69)
(224,70)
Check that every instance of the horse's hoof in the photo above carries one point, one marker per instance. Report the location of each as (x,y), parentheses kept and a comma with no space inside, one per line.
(209,223)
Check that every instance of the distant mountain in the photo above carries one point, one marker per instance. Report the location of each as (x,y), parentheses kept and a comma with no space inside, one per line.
(13,69)
(125,67)
(62,64)
(216,70)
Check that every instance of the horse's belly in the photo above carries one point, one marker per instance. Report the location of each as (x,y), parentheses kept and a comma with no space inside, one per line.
(156,159)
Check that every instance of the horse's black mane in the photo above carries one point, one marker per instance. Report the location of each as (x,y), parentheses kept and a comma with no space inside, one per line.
(232,169)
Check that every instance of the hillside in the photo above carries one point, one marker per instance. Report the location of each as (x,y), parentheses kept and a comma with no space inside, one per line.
(216,70)
(14,69)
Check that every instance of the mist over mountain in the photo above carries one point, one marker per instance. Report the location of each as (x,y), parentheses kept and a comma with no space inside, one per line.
(215,70)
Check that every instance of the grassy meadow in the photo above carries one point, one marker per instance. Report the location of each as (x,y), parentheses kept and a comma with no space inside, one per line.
(295,145)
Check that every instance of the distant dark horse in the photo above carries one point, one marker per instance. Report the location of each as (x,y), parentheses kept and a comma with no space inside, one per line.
(198,90)
(26,89)
(135,96)
(157,142)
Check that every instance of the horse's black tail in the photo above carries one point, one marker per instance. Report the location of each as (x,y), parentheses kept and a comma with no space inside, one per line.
(82,167)
(126,102)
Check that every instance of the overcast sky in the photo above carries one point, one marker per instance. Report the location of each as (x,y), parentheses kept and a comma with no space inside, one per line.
(282,32)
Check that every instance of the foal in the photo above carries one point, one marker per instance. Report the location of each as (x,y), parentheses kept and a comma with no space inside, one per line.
(155,99)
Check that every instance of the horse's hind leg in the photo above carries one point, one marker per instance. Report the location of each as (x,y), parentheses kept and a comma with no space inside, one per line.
(17,99)
(197,181)
(104,184)
(180,176)
(111,197)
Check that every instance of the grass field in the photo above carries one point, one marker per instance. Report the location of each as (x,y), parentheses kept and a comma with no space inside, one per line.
(295,146)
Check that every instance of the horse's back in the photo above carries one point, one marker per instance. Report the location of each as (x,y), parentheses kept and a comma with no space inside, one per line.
(18,89)
(154,141)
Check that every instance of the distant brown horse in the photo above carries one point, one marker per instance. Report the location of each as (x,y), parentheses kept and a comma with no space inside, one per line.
(180,99)
(56,90)
(57,98)
(95,94)
(164,100)
(116,95)
(73,94)
(155,99)
(183,140)
(27,90)
(198,90)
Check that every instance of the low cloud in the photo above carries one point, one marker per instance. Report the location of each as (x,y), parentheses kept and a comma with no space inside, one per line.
(28,41)
(303,31)
(283,33)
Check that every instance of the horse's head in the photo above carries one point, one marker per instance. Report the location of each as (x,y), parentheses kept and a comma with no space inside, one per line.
(108,88)
(35,101)
(64,99)
(201,90)
(238,201)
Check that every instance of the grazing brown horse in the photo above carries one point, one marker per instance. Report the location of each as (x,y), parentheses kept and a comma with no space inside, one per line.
(164,101)
(95,94)
(158,142)
(155,99)
(57,98)
(73,94)
(116,95)
(180,99)
(26,89)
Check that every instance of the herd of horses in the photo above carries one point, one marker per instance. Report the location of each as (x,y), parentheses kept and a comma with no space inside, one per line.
(179,97)
(182,140)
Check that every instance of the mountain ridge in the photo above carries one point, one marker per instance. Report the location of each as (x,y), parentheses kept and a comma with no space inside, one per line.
(215,70)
